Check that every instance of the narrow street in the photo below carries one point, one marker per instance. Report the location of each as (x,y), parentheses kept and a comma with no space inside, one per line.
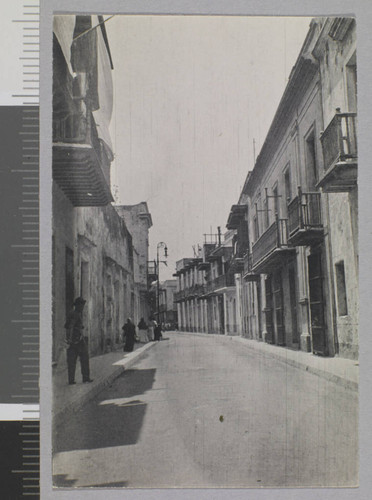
(202,412)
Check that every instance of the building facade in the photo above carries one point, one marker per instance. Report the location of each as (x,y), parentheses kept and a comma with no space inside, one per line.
(297,213)
(138,220)
(167,306)
(335,52)
(94,253)
(206,297)
(288,275)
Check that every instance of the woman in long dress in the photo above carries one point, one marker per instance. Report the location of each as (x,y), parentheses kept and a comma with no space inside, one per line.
(157,332)
(129,334)
(151,333)
(142,331)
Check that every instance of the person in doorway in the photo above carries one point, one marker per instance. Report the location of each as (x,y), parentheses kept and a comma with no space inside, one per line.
(157,332)
(143,331)
(129,335)
(77,343)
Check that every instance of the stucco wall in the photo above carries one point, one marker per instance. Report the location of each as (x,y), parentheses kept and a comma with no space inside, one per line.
(342,207)
(63,236)
(343,250)
(139,229)
(290,155)
(102,272)
(110,273)
(334,58)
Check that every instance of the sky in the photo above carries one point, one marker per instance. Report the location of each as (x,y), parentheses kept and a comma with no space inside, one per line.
(194,97)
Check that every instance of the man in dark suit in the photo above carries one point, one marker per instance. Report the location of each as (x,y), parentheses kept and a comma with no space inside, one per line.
(77,343)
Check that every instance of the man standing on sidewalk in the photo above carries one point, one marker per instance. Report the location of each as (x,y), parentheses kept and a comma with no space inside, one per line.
(77,343)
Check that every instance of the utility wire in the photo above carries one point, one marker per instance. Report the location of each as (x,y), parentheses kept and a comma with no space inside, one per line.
(92,28)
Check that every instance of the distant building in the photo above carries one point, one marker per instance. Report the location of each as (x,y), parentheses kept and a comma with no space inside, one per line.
(138,220)
(94,253)
(188,280)
(206,296)
(167,306)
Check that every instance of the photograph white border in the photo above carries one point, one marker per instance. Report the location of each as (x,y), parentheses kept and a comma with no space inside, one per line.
(362,9)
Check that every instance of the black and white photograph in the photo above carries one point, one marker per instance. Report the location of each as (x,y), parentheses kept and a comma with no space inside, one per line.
(204,288)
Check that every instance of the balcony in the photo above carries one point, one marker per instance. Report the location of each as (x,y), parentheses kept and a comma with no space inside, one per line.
(203,266)
(179,296)
(236,216)
(271,248)
(339,144)
(81,163)
(193,291)
(219,283)
(198,290)
(152,275)
(190,292)
(236,264)
(248,273)
(305,219)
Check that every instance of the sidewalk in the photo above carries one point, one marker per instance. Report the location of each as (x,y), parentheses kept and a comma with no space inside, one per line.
(104,369)
(344,372)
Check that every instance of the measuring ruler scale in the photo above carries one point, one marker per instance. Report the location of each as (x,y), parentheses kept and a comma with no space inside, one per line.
(19,251)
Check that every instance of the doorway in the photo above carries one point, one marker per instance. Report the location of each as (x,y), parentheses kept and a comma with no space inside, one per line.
(69,280)
(317,314)
(269,311)
(221,314)
(293,303)
(279,307)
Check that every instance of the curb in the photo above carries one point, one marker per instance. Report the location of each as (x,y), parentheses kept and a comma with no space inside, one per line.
(282,356)
(331,377)
(120,366)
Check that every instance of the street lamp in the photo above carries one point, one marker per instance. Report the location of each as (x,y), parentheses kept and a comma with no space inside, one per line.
(159,245)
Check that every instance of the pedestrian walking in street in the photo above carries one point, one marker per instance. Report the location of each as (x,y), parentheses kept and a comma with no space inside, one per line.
(129,335)
(143,331)
(157,332)
(153,324)
(77,343)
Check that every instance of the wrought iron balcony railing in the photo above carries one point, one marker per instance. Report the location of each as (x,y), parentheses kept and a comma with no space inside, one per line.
(199,289)
(248,273)
(189,292)
(151,269)
(179,296)
(236,264)
(222,281)
(274,238)
(194,291)
(339,140)
(81,164)
(304,218)
(247,263)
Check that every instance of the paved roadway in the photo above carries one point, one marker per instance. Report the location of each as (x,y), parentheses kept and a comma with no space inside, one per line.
(205,412)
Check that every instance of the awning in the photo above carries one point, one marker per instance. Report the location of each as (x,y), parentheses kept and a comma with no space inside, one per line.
(63,27)
(102,115)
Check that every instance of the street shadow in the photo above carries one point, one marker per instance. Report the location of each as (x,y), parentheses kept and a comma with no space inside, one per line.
(135,383)
(112,419)
(61,481)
